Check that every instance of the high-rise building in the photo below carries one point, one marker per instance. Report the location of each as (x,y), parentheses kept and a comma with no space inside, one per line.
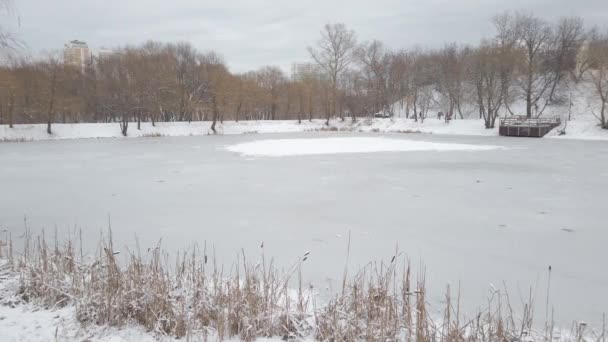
(77,53)
(104,53)
(301,70)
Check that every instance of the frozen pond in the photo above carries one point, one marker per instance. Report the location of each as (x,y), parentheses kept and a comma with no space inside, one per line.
(474,217)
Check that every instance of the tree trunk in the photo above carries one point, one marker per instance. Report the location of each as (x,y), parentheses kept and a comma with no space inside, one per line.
(215,114)
(555,83)
(49,117)
(124,124)
(51,102)
(494,116)
(451,109)
(238,111)
(459,108)
(310,107)
(332,102)
(529,98)
(603,115)
(10,111)
(301,107)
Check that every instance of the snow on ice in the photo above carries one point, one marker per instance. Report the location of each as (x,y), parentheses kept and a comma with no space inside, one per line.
(291,147)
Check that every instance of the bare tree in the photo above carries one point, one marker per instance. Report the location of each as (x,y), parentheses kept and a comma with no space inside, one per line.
(568,39)
(375,62)
(486,76)
(214,72)
(334,54)
(451,77)
(423,78)
(598,54)
(402,70)
(272,80)
(115,91)
(170,82)
(185,68)
(534,37)
(357,95)
(8,42)
(51,69)
(8,88)
(506,41)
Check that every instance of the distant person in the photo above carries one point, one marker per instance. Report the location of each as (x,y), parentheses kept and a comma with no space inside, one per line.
(448,117)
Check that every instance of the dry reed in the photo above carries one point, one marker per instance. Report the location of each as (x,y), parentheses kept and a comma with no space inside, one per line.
(194,296)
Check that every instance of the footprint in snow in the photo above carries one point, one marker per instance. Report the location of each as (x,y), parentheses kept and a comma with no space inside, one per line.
(567,230)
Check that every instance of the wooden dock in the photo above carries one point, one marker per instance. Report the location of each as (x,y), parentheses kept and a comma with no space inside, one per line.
(517,126)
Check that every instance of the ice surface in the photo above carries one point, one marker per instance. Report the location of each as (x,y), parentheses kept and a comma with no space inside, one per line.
(295,147)
(474,218)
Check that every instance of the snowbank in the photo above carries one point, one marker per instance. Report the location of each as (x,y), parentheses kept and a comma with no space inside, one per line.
(288,147)
(112,130)
(581,127)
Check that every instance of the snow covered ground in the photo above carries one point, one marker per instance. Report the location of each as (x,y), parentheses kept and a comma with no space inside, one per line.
(26,323)
(291,147)
(112,130)
(577,105)
(20,322)
(581,127)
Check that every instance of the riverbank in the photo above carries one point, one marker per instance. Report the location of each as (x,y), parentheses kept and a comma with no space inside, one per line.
(585,129)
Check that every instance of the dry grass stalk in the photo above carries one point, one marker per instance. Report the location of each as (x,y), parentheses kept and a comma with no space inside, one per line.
(196,297)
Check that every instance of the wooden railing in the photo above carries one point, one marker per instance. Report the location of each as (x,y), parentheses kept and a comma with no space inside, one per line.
(524,121)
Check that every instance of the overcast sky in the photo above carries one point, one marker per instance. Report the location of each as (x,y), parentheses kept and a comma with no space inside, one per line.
(253,33)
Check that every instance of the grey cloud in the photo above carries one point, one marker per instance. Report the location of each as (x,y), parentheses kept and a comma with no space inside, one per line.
(252,33)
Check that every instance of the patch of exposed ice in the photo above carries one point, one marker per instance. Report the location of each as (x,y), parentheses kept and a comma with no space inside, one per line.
(295,147)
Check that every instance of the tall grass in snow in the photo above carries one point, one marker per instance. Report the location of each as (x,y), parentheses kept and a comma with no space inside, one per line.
(193,297)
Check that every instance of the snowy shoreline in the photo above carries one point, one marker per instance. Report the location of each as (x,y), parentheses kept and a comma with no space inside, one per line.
(576,129)
(22,320)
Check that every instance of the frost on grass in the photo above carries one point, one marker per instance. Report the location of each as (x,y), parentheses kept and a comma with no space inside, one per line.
(192,298)
(289,147)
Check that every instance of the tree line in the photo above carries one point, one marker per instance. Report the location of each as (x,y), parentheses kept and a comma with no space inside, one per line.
(528,59)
